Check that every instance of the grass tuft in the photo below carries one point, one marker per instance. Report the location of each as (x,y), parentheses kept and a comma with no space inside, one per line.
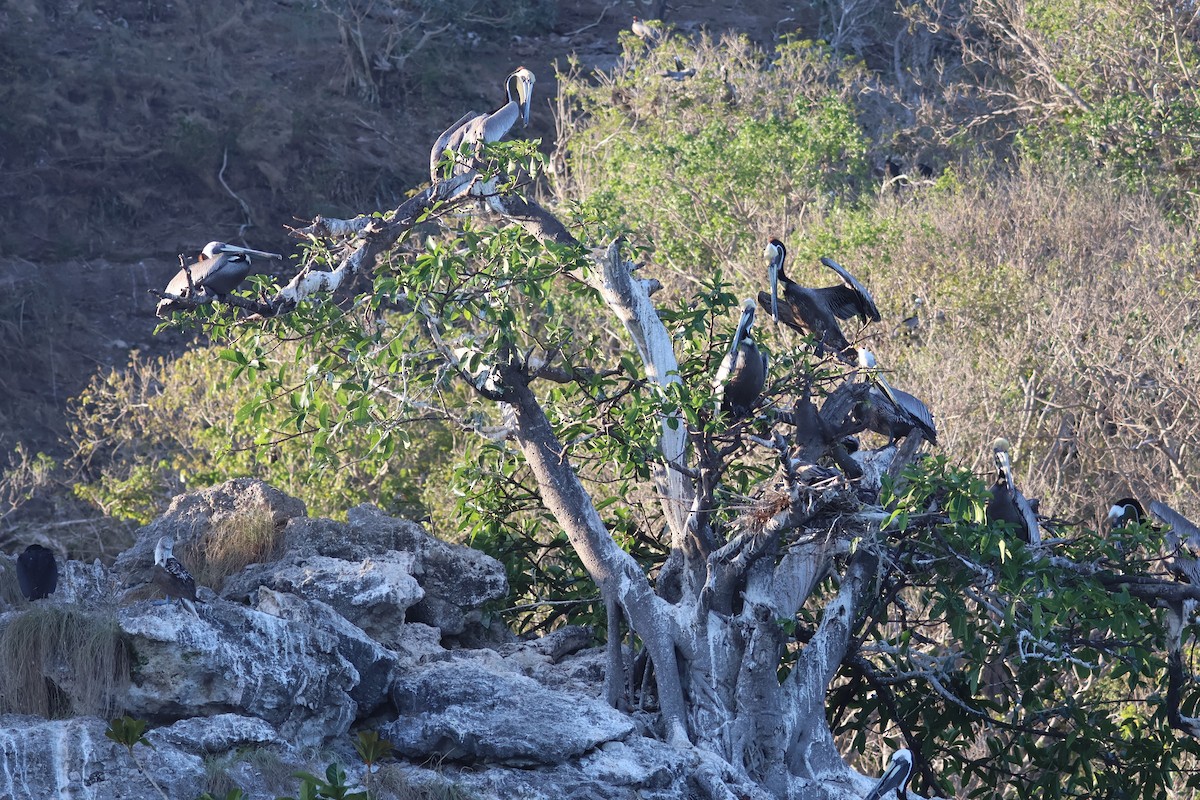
(60,661)
(233,543)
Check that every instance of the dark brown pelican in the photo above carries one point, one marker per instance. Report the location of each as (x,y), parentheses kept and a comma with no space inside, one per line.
(816,310)
(37,572)
(891,412)
(1007,503)
(743,371)
(172,577)
(219,270)
(894,781)
(474,129)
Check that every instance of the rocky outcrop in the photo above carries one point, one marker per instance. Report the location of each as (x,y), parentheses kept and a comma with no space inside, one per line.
(340,625)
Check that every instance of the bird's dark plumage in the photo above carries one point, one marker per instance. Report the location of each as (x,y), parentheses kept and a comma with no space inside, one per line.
(743,371)
(816,310)
(1007,504)
(37,572)
(171,576)
(891,412)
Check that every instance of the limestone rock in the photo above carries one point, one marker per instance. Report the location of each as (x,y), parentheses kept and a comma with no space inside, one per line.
(373,662)
(42,759)
(374,594)
(463,711)
(217,734)
(236,659)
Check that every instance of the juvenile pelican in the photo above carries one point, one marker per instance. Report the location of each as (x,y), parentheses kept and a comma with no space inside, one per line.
(219,270)
(1007,503)
(37,572)
(895,778)
(474,129)
(889,411)
(816,310)
(172,577)
(743,371)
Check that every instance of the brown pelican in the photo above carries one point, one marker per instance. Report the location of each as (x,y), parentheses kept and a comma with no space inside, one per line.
(680,72)
(895,778)
(474,129)
(889,411)
(743,371)
(171,576)
(816,310)
(1007,503)
(219,270)
(37,572)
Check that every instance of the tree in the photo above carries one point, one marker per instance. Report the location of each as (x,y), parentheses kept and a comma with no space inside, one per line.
(803,612)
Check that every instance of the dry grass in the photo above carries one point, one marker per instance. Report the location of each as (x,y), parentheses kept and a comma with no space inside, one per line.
(60,661)
(233,543)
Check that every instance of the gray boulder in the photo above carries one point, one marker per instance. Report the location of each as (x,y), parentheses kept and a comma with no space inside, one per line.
(468,712)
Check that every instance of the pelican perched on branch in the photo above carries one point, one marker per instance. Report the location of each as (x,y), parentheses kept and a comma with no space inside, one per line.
(474,129)
(219,270)
(816,310)
(1007,503)
(743,371)
(889,411)
(894,781)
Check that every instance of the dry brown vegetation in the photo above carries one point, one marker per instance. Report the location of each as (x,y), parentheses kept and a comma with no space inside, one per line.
(60,661)
(233,543)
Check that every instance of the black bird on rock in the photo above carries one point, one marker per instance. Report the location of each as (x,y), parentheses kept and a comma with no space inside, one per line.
(37,572)
(891,412)
(816,310)
(894,781)
(743,371)
(220,269)
(1007,503)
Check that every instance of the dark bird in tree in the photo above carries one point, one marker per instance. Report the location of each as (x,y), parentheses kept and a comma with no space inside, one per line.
(891,412)
(816,310)
(894,781)
(172,577)
(743,371)
(219,270)
(680,72)
(37,572)
(1125,512)
(474,129)
(1007,503)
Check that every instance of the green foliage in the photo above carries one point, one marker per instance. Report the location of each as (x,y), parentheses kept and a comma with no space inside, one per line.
(159,428)
(1001,642)
(128,732)
(232,794)
(697,174)
(333,787)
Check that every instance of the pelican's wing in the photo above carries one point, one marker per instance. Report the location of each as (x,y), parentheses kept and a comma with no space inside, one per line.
(1025,509)
(918,411)
(896,776)
(201,271)
(1183,530)
(787,314)
(452,138)
(865,304)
